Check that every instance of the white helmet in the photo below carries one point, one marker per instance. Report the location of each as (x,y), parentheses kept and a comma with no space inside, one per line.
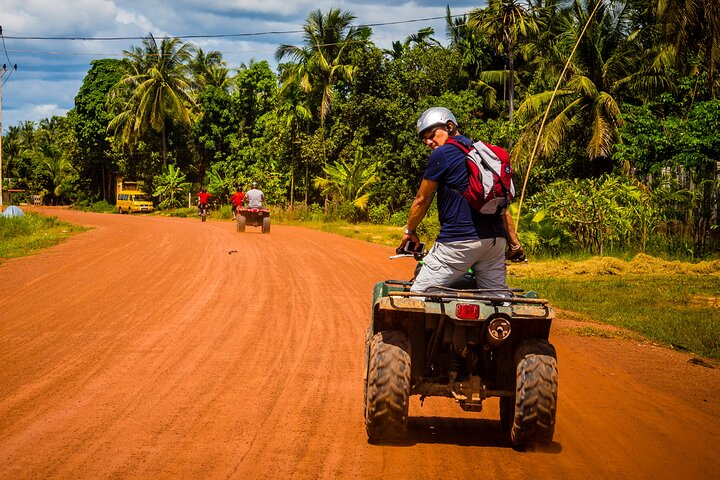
(433,117)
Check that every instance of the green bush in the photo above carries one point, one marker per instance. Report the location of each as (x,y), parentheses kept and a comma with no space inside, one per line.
(184,212)
(350,213)
(379,214)
(224,212)
(399,219)
(21,236)
(99,207)
(15,226)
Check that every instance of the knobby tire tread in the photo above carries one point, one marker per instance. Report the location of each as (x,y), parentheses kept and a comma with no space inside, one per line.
(535,394)
(388,387)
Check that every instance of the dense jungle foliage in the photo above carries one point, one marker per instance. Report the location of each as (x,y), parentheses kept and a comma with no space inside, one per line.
(627,159)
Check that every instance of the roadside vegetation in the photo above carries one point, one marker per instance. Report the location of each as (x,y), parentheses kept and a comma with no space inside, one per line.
(673,303)
(21,236)
(627,158)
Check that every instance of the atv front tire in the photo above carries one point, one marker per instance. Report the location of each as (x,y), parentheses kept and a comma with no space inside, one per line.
(387,389)
(535,394)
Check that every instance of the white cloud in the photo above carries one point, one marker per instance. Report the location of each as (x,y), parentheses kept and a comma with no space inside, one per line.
(33,113)
(54,17)
(50,72)
(46,110)
(126,17)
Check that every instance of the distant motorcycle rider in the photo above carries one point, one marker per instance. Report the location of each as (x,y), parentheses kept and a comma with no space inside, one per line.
(203,199)
(254,197)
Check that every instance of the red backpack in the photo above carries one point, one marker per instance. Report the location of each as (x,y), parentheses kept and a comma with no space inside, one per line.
(490,186)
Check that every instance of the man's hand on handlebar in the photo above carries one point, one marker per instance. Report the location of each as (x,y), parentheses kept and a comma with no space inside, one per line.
(515,253)
(411,245)
(407,238)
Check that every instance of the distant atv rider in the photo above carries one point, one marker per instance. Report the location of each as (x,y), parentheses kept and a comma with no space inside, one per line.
(254,197)
(467,239)
(203,199)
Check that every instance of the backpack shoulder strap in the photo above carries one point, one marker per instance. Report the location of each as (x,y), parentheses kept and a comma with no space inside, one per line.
(464,148)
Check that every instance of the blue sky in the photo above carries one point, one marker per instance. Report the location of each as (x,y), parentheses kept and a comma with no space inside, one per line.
(50,71)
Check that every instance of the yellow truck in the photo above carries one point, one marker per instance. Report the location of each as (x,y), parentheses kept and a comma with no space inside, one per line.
(132,201)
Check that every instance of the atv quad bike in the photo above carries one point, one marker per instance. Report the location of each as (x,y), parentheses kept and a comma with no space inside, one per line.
(254,217)
(465,344)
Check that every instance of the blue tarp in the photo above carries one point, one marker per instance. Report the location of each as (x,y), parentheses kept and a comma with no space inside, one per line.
(13,211)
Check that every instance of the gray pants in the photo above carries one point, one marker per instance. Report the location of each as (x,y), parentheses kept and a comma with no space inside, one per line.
(448,262)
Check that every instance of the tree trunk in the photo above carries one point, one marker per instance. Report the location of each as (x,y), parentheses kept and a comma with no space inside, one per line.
(164,148)
(511,63)
(292,169)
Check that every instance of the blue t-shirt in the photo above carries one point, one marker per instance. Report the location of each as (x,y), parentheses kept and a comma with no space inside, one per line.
(458,221)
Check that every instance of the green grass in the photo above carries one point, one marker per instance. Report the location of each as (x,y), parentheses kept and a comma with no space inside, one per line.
(20,236)
(380,234)
(97,207)
(681,311)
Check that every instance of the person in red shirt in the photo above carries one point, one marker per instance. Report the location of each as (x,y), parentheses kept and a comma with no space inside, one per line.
(203,199)
(237,200)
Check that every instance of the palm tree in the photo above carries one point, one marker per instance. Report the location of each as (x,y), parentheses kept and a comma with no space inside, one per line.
(586,102)
(505,22)
(293,113)
(325,58)
(17,142)
(692,27)
(423,38)
(208,69)
(472,46)
(155,92)
(54,147)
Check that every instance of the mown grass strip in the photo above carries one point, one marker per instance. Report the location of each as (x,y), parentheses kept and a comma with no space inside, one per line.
(20,236)
(381,234)
(680,311)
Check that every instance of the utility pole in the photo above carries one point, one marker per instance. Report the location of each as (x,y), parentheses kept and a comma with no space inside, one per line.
(2,74)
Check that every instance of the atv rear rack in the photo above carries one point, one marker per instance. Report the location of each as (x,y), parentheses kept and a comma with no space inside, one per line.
(439,293)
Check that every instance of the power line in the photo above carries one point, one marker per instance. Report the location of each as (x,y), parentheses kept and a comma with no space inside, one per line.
(223,35)
(93,54)
(13,68)
(4,47)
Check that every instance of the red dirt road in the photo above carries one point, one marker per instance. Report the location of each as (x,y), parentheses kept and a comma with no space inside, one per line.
(154,347)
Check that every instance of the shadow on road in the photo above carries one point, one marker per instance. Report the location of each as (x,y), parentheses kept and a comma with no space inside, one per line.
(468,432)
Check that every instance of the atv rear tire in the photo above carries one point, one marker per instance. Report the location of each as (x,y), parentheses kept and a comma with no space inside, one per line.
(535,394)
(266,225)
(240,223)
(387,389)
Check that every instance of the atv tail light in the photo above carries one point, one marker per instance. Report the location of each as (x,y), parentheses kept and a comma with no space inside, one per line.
(467,311)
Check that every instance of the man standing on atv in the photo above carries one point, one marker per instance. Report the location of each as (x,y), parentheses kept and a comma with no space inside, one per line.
(254,197)
(203,199)
(467,239)
(237,200)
